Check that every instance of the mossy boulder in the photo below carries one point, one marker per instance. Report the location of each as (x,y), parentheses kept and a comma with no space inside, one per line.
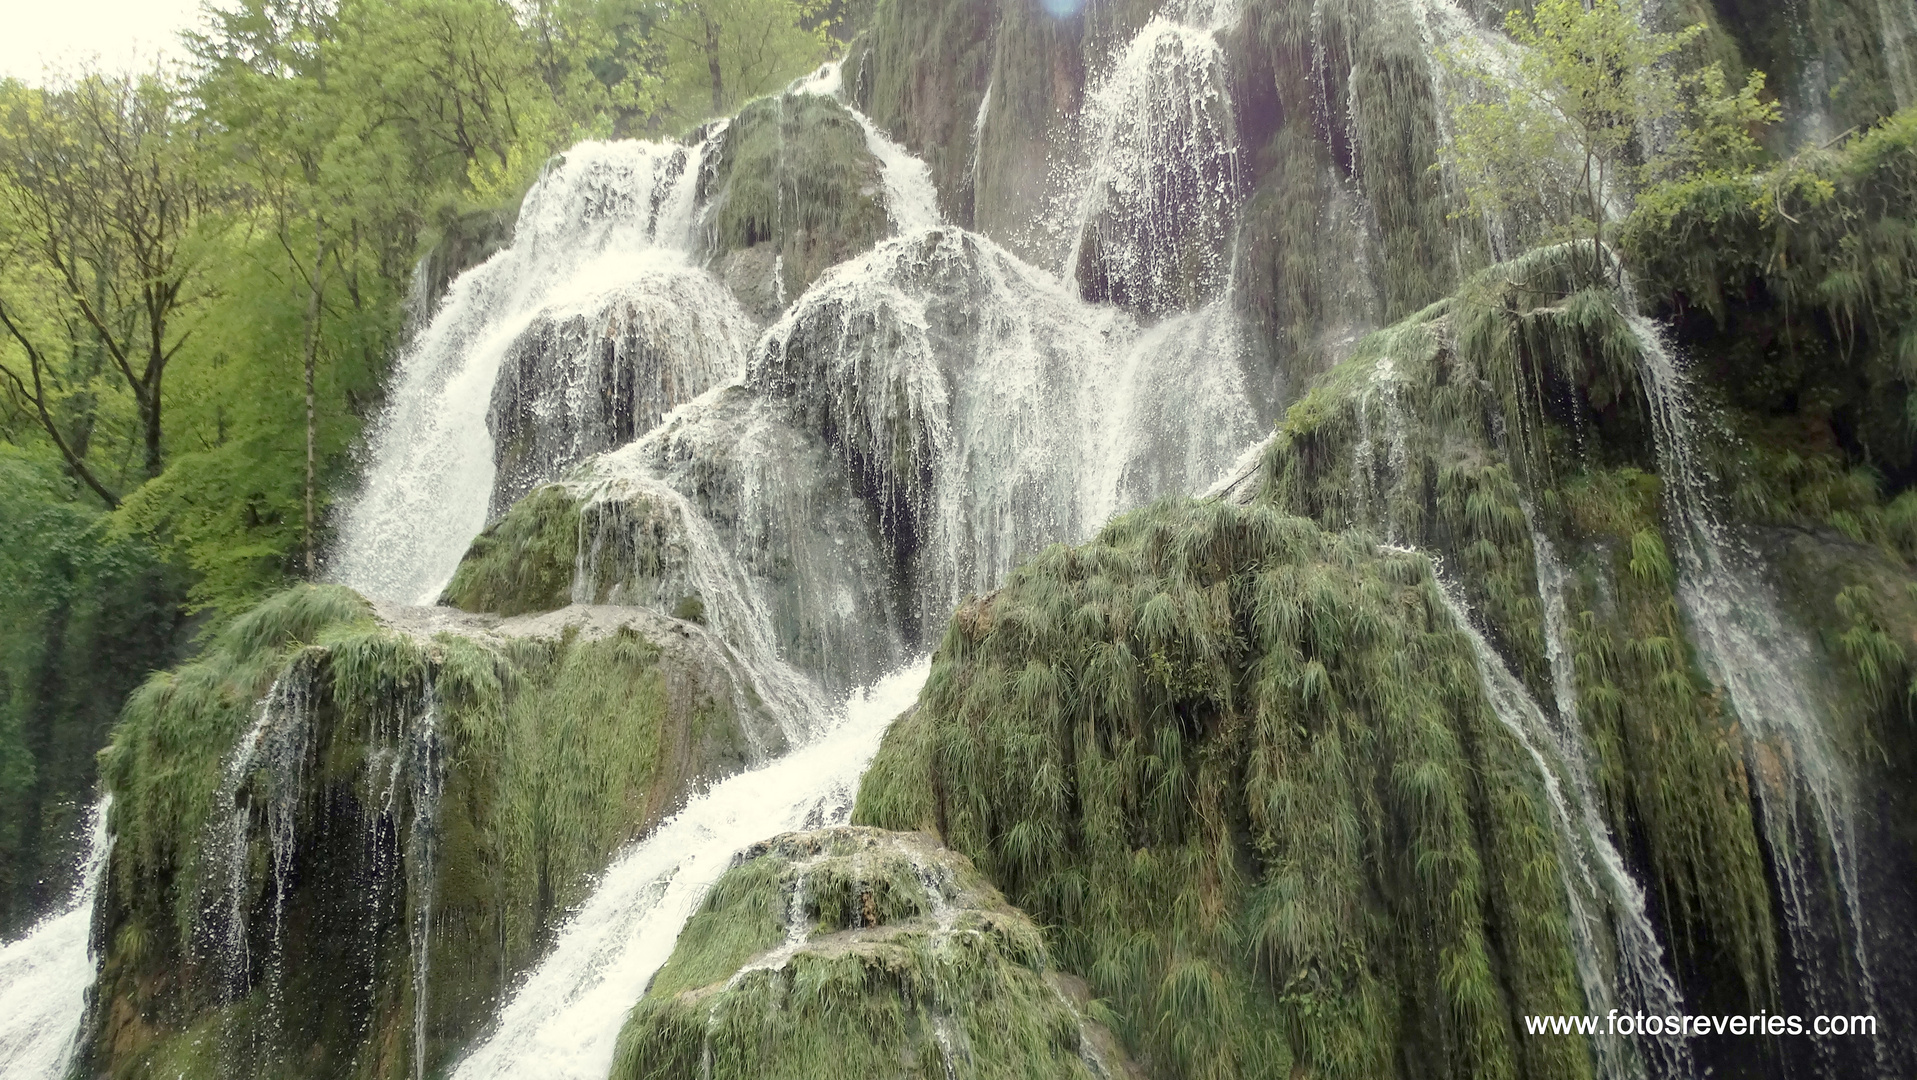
(524,562)
(1245,771)
(1792,293)
(858,952)
(343,832)
(729,516)
(790,189)
(1511,429)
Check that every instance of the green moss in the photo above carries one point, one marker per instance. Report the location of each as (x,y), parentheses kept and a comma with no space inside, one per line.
(1514,407)
(524,562)
(548,755)
(1243,768)
(897,792)
(793,172)
(875,983)
(1793,292)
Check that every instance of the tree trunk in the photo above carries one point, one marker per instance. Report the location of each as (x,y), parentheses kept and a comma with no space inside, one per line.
(152,417)
(312,416)
(37,394)
(712,65)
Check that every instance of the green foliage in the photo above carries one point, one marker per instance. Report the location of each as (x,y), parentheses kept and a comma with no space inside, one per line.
(1805,275)
(83,617)
(1244,768)
(898,792)
(1590,87)
(1670,765)
(108,230)
(720,54)
(1475,422)
(524,562)
(880,985)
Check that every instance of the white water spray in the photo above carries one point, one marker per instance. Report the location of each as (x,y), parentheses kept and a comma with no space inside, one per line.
(1149,212)
(1633,978)
(602,240)
(45,975)
(1765,667)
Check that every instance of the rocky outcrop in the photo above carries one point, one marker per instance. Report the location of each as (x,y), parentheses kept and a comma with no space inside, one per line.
(343,831)
(789,189)
(854,951)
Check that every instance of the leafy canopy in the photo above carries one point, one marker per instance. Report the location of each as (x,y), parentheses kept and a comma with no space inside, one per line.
(1562,133)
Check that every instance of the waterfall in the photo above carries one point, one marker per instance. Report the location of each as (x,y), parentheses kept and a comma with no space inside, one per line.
(422,861)
(1620,961)
(564,1019)
(1765,668)
(600,255)
(690,561)
(989,411)
(46,974)
(277,742)
(1633,979)
(1150,211)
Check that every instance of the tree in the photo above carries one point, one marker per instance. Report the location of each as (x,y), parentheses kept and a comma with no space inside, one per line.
(721,53)
(1593,111)
(109,209)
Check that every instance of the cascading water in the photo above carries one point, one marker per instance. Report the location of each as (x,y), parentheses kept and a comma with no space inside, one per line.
(973,407)
(983,409)
(1149,213)
(562,1022)
(1620,961)
(45,975)
(1802,783)
(689,561)
(1624,967)
(428,755)
(277,744)
(988,411)
(599,267)
(911,202)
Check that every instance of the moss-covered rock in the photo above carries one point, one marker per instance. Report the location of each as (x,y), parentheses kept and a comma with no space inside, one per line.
(1793,293)
(524,562)
(919,73)
(790,189)
(1244,768)
(856,952)
(729,516)
(342,833)
(1509,429)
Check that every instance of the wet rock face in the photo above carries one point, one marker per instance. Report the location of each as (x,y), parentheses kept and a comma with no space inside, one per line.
(734,510)
(854,951)
(576,384)
(790,189)
(984,411)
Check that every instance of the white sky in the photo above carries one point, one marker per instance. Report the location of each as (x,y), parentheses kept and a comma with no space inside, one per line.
(120,33)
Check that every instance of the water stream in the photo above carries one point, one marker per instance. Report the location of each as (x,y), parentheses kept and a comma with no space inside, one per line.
(1766,669)
(600,252)
(1620,962)
(563,1020)
(46,974)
